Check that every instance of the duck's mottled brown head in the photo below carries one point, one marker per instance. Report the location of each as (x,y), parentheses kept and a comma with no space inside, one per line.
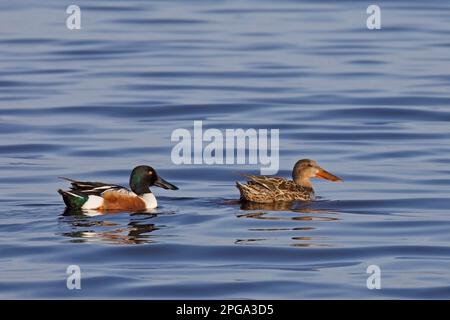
(306,169)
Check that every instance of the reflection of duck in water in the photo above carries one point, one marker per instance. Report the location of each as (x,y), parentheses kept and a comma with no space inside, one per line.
(136,229)
(103,197)
(264,189)
(272,206)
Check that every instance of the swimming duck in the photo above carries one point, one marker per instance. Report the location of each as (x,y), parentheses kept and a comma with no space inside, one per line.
(265,189)
(102,196)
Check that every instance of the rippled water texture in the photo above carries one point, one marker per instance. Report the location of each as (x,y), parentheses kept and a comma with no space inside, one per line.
(370,106)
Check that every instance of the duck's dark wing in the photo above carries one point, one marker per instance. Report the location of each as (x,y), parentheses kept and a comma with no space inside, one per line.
(92,188)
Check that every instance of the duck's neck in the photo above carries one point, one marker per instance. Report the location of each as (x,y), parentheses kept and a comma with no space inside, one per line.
(303,181)
(139,186)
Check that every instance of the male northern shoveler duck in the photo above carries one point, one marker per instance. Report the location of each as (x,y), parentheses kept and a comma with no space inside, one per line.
(264,189)
(102,196)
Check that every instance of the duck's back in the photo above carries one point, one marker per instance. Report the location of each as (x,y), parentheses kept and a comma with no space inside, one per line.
(264,189)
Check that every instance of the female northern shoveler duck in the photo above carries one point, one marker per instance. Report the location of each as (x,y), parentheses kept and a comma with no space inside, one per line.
(102,196)
(264,189)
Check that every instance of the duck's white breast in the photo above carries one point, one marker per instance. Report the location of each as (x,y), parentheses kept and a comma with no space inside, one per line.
(150,200)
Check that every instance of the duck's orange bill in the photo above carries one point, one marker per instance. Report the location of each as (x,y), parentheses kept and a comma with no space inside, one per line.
(326,175)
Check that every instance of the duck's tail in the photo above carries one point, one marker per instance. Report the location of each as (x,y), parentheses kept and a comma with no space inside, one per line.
(245,191)
(73,199)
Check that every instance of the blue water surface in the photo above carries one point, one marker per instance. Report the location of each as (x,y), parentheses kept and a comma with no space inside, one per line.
(371,106)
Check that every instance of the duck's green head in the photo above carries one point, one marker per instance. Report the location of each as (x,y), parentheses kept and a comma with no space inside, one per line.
(143,177)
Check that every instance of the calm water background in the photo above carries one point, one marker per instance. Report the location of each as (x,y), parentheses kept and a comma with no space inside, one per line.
(370,106)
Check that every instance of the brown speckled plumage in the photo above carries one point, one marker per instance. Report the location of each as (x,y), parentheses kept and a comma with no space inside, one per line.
(264,189)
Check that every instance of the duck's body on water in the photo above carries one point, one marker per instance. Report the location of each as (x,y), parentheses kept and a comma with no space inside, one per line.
(103,196)
(265,189)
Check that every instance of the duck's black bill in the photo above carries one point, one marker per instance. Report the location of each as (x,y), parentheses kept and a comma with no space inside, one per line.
(160,182)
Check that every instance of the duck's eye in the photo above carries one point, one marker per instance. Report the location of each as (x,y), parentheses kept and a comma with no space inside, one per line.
(150,172)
